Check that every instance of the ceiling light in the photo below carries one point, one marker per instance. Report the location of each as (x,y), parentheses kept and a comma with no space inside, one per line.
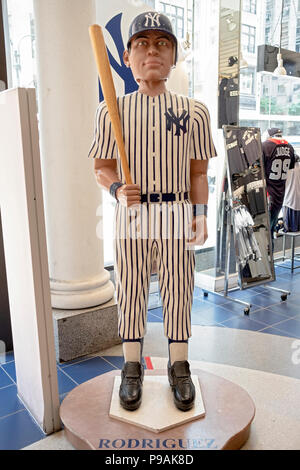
(231,25)
(280,70)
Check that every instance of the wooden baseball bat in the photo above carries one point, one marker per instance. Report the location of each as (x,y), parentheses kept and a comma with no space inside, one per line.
(109,93)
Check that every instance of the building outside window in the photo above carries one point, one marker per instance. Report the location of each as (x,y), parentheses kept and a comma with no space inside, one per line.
(176,15)
(20,22)
(277,98)
(248,38)
(249,6)
(298,36)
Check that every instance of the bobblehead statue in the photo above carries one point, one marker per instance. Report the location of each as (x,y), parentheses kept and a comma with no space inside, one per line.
(168,144)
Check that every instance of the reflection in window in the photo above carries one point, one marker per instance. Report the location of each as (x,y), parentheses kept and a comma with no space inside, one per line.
(249,6)
(176,15)
(298,36)
(21,43)
(248,38)
(247,81)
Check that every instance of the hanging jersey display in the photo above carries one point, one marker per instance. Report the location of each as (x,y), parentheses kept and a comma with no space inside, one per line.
(255,191)
(291,203)
(279,158)
(232,100)
(228,101)
(243,225)
(237,161)
(248,204)
(222,102)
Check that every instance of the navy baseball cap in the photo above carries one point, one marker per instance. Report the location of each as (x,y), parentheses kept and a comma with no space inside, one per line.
(274,131)
(152,20)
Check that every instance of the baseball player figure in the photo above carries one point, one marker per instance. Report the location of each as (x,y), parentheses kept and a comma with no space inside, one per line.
(279,158)
(168,144)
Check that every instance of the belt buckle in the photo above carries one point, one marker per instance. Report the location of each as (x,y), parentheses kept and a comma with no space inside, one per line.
(158,197)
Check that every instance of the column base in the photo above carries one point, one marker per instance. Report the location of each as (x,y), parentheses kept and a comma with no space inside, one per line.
(72,295)
(85,331)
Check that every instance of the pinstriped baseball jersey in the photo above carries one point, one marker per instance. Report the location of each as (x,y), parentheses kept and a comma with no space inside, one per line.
(161,135)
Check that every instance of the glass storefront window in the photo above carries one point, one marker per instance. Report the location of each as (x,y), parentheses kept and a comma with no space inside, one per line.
(248,38)
(20,22)
(249,6)
(275,100)
(265,100)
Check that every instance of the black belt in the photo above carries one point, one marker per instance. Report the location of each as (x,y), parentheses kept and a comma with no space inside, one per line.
(163,197)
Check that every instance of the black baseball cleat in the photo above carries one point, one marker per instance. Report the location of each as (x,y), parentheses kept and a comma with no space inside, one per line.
(182,386)
(131,387)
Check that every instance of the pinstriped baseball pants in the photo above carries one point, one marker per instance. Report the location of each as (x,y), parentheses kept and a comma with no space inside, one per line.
(154,231)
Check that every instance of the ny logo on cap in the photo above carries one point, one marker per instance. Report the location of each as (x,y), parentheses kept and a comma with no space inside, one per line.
(154,19)
(173,119)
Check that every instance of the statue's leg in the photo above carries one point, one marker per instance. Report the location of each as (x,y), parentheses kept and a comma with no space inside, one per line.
(132,278)
(176,265)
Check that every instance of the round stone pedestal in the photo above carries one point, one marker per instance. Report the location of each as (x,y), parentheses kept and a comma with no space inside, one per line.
(229,412)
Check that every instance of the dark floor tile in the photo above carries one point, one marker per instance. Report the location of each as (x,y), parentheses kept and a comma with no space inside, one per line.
(157,311)
(246,294)
(282,284)
(267,316)
(19,430)
(274,331)
(88,369)
(65,384)
(10,369)
(291,327)
(217,314)
(287,308)
(200,305)
(266,300)
(258,290)
(153,318)
(238,309)
(9,401)
(4,379)
(116,361)
(287,275)
(244,323)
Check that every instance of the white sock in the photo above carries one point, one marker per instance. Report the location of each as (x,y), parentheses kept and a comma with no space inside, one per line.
(178,352)
(132,351)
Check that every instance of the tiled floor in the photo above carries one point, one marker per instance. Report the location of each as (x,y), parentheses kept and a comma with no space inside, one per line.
(268,315)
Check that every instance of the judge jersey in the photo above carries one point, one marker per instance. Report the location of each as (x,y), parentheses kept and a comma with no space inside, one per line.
(279,158)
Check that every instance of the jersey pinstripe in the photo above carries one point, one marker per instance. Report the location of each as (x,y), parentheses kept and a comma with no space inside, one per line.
(161,135)
(159,160)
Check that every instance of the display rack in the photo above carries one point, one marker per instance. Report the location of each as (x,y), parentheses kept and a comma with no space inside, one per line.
(224,293)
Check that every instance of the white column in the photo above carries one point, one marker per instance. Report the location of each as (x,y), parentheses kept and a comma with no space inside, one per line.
(67,101)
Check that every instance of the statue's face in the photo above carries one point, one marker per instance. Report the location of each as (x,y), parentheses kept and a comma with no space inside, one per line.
(151,56)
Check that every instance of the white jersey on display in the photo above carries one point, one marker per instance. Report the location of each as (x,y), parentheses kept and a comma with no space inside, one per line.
(292,189)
